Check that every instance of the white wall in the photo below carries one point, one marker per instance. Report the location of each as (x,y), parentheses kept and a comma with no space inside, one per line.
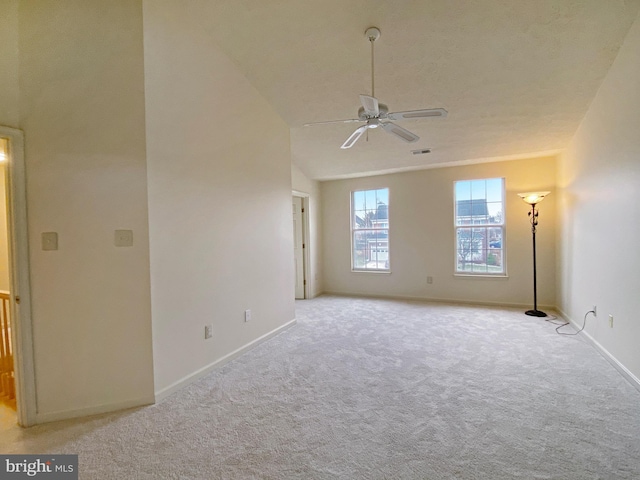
(82,110)
(301,183)
(599,228)
(9,117)
(422,236)
(9,63)
(219,179)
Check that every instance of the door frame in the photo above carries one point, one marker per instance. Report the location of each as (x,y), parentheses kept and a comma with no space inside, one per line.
(305,240)
(20,303)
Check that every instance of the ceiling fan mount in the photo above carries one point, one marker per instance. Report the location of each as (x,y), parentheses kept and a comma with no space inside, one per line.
(376,114)
(372,33)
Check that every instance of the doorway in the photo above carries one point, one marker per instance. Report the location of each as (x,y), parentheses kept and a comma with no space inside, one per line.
(300,244)
(15,308)
(7,375)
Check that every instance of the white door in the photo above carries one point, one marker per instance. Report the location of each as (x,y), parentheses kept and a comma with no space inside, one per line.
(298,246)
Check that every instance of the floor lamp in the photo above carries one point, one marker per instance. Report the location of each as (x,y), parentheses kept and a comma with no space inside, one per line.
(533,198)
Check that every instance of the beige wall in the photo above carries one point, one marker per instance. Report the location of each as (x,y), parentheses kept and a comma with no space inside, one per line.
(82,111)
(301,183)
(422,236)
(599,228)
(9,63)
(219,177)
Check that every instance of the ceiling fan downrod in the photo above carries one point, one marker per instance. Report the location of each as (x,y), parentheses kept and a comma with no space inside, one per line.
(372,33)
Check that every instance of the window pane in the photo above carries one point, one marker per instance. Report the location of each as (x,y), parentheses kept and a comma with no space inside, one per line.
(478,190)
(360,219)
(469,247)
(382,196)
(359,249)
(495,237)
(479,212)
(494,213)
(463,190)
(379,248)
(494,189)
(370,199)
(358,201)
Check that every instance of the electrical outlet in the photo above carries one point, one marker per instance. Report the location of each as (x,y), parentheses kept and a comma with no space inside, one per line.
(429,280)
(208,331)
(595,311)
(610,321)
(247,315)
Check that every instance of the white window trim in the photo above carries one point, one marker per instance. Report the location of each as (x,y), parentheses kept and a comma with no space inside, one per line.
(502,225)
(376,271)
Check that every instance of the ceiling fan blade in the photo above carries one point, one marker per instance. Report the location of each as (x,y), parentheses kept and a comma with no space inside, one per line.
(353,138)
(332,121)
(370,105)
(431,112)
(399,132)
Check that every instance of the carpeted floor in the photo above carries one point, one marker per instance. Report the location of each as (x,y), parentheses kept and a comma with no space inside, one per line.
(377,389)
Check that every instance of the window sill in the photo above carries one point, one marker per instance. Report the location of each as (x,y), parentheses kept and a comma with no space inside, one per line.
(481,275)
(376,272)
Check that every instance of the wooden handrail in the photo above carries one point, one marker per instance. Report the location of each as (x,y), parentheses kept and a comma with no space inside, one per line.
(7,378)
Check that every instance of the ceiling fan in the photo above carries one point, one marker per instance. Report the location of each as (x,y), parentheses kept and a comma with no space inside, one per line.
(375,114)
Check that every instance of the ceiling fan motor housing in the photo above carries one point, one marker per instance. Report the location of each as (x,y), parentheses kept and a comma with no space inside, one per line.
(381,107)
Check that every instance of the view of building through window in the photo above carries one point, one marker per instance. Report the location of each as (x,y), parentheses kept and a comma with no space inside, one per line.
(370,229)
(479,222)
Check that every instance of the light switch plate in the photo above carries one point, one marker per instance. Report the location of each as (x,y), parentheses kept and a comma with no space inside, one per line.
(49,241)
(123,238)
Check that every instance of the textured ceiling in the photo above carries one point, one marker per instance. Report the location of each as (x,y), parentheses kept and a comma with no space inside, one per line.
(516,76)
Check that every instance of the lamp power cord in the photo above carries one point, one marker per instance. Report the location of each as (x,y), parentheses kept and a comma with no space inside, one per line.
(584,323)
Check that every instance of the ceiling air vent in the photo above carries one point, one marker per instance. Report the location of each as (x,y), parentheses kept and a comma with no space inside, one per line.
(421,152)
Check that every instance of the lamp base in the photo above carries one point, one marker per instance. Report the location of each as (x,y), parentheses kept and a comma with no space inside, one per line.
(535,313)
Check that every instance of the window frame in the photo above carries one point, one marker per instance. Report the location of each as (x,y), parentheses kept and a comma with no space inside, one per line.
(486,226)
(353,231)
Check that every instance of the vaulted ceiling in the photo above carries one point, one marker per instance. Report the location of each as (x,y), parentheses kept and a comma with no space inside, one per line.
(516,76)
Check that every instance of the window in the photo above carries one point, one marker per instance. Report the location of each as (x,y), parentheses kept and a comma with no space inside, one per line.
(479,223)
(370,230)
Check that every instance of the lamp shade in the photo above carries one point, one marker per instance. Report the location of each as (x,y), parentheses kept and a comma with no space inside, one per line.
(533,197)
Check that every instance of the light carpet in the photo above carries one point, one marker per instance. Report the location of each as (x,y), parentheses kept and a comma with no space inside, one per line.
(377,389)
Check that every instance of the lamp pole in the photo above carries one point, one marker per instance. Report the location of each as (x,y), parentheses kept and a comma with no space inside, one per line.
(533,217)
(532,199)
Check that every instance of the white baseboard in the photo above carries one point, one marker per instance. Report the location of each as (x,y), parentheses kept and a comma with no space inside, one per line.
(440,300)
(93,410)
(624,371)
(192,377)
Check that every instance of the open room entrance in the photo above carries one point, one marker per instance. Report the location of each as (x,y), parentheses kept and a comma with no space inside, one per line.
(300,244)
(7,374)
(17,379)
